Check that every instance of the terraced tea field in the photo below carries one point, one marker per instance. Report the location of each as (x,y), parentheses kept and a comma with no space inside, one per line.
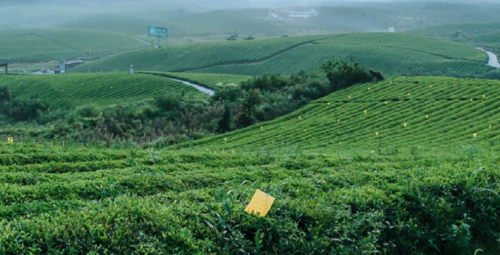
(44,44)
(77,199)
(484,35)
(400,113)
(63,92)
(393,54)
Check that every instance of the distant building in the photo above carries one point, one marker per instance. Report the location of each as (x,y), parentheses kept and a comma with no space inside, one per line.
(65,66)
(6,66)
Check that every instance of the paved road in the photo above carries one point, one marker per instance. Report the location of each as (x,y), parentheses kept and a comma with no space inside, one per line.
(493,61)
(198,87)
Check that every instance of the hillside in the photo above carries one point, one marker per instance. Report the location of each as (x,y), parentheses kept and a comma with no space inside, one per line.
(69,91)
(484,35)
(393,54)
(438,112)
(46,44)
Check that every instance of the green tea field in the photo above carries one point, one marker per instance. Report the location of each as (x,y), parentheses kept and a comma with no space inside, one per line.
(393,54)
(69,91)
(414,174)
(399,114)
(46,44)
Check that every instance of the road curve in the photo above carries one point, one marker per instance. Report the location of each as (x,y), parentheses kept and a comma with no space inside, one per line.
(198,87)
(493,61)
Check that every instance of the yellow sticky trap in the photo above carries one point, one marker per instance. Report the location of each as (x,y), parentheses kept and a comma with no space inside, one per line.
(430,87)
(474,135)
(372,151)
(350,96)
(233,152)
(490,126)
(300,117)
(405,124)
(369,88)
(471,99)
(260,204)
(225,139)
(385,102)
(426,116)
(376,133)
(484,96)
(262,127)
(409,94)
(328,103)
(365,111)
(10,140)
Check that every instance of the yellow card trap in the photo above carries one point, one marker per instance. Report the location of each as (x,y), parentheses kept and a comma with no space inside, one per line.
(260,204)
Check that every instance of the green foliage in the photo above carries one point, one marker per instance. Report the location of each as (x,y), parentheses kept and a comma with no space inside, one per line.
(338,122)
(342,75)
(392,54)
(66,92)
(72,199)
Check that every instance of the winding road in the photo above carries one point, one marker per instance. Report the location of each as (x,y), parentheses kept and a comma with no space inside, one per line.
(198,87)
(493,61)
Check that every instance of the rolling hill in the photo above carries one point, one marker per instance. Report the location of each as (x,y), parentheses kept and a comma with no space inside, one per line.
(398,114)
(393,54)
(484,35)
(64,92)
(46,44)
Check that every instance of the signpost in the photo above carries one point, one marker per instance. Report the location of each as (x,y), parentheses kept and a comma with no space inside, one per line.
(158,32)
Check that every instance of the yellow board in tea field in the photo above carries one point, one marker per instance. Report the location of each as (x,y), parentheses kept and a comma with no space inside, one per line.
(260,204)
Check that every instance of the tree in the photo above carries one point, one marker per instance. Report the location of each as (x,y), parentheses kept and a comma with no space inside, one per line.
(342,75)
(225,122)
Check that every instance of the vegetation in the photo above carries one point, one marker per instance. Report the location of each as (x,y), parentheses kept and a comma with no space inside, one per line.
(396,115)
(484,35)
(72,199)
(46,44)
(66,92)
(392,54)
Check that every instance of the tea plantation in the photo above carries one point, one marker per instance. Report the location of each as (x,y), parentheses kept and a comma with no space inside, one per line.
(69,91)
(399,114)
(46,44)
(408,176)
(393,54)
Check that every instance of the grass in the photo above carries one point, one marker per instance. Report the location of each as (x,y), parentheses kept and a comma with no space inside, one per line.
(393,54)
(63,92)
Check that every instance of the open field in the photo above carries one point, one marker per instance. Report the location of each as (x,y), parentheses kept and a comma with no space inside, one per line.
(437,111)
(64,92)
(393,54)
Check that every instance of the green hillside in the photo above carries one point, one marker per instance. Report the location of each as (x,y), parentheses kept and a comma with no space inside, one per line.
(68,91)
(46,44)
(438,112)
(393,54)
(80,199)
(484,35)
